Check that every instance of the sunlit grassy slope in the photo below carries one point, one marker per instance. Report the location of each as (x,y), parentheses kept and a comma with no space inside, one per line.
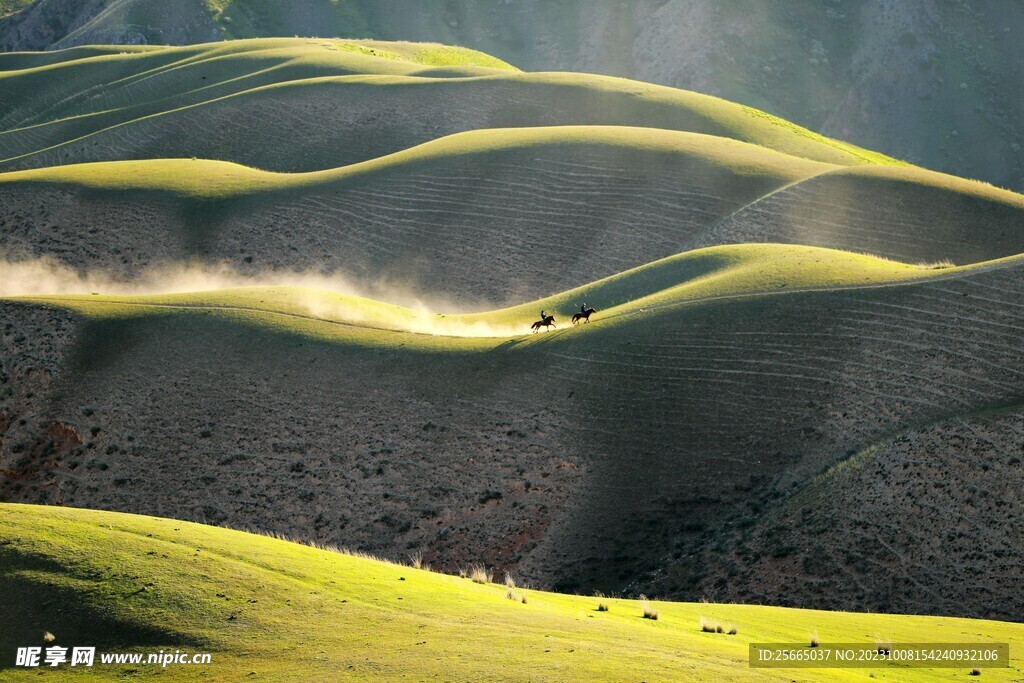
(593,200)
(204,179)
(270,609)
(713,273)
(69,84)
(417,163)
(135,62)
(69,103)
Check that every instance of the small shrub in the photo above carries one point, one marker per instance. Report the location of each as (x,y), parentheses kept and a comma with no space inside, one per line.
(462,572)
(975,672)
(488,496)
(480,574)
(733,630)
(814,640)
(602,607)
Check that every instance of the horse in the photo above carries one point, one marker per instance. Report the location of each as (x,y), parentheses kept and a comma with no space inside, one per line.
(548,321)
(584,316)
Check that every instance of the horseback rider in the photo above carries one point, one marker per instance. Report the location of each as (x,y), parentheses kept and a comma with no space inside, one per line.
(543,314)
(583,308)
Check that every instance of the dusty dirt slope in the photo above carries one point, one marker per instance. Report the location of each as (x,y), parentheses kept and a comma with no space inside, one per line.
(583,460)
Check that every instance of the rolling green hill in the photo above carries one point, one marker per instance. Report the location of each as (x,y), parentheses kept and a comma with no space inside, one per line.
(46,87)
(93,104)
(404,168)
(544,208)
(266,608)
(397,164)
(934,82)
(708,390)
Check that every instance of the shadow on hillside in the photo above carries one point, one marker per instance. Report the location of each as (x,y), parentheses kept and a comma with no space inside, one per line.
(39,595)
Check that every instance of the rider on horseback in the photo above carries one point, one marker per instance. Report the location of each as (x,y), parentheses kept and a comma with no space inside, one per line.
(543,314)
(583,308)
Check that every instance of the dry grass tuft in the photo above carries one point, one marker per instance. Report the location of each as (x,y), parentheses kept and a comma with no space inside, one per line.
(709,625)
(48,637)
(733,630)
(480,574)
(648,610)
(936,265)
(814,640)
(416,560)
(510,590)
(329,547)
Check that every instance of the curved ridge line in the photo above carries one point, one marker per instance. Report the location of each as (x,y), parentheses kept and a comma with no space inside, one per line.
(973,269)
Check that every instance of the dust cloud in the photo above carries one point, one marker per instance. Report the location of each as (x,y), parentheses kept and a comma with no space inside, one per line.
(384,304)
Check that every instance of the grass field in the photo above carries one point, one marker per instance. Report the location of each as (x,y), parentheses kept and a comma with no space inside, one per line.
(271,609)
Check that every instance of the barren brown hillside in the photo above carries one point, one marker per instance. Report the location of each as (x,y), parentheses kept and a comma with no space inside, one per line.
(579,459)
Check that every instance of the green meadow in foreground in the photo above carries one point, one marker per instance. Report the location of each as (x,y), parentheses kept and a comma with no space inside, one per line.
(267,609)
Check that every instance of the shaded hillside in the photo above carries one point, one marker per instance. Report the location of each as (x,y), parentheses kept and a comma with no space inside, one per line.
(713,387)
(543,209)
(956,68)
(941,500)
